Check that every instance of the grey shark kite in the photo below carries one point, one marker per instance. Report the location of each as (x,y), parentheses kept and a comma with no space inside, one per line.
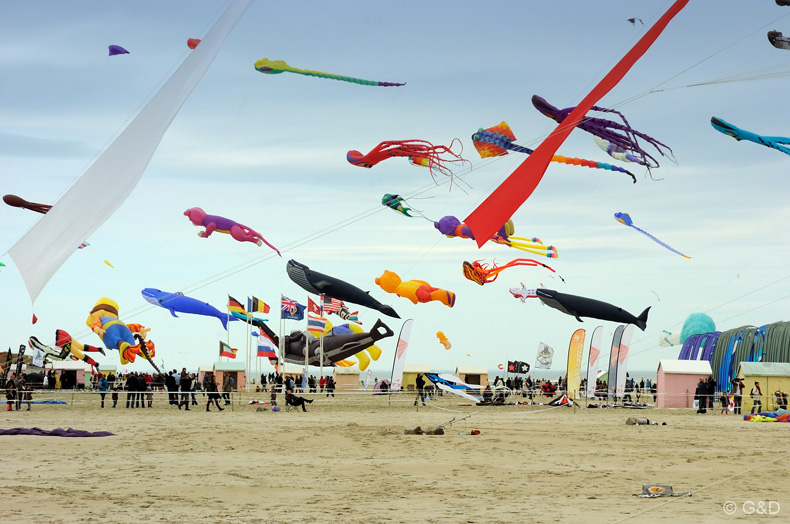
(576,306)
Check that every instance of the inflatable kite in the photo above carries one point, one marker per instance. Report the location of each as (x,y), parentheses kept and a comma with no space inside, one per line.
(340,343)
(621,136)
(117,50)
(398,203)
(66,347)
(634,20)
(275,67)
(452,384)
(522,293)
(419,153)
(616,152)
(774,142)
(498,140)
(625,218)
(578,307)
(477,272)
(443,340)
(451,227)
(220,224)
(321,284)
(15,201)
(129,339)
(192,43)
(505,200)
(177,302)
(414,290)
(778,41)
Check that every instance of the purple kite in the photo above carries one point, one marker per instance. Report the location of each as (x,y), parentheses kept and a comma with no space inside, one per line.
(220,224)
(57,432)
(117,50)
(622,137)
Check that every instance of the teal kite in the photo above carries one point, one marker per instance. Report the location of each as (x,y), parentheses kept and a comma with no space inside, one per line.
(274,67)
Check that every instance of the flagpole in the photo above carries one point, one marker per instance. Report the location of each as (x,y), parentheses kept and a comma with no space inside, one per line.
(321,342)
(281,344)
(248,363)
(306,348)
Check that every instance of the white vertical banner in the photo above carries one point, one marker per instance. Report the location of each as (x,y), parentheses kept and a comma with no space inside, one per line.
(622,359)
(592,361)
(400,357)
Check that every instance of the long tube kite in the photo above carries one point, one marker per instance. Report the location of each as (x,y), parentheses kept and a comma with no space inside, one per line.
(480,273)
(517,188)
(419,152)
(774,142)
(275,67)
(498,140)
(625,219)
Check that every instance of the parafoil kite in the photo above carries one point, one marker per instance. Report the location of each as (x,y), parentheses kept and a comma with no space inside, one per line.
(321,284)
(414,290)
(66,347)
(117,50)
(275,67)
(192,43)
(622,136)
(443,340)
(450,226)
(419,153)
(778,41)
(774,142)
(696,324)
(625,218)
(128,339)
(340,343)
(178,302)
(481,274)
(577,306)
(220,224)
(522,293)
(635,20)
(498,140)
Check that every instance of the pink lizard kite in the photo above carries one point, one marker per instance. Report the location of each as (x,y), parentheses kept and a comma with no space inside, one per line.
(220,224)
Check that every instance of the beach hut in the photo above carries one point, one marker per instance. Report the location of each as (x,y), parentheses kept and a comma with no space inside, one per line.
(294,371)
(235,370)
(108,369)
(202,372)
(473,375)
(410,372)
(677,381)
(346,379)
(770,375)
(71,373)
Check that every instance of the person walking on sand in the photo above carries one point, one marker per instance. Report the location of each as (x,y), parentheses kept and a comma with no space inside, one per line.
(213,394)
(737,394)
(226,388)
(10,392)
(757,396)
(102,387)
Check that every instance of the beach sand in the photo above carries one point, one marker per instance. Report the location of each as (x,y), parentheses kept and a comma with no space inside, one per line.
(347,460)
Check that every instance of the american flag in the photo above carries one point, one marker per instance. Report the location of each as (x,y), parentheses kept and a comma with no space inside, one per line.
(288,305)
(332,305)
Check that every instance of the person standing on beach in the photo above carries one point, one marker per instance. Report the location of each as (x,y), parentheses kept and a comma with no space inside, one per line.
(10,392)
(711,391)
(757,397)
(737,394)
(420,382)
(186,388)
(102,387)
(170,384)
(700,395)
(330,386)
(131,390)
(226,388)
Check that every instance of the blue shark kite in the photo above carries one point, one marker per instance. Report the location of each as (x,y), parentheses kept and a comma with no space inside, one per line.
(178,302)
(453,384)
(774,142)
(625,218)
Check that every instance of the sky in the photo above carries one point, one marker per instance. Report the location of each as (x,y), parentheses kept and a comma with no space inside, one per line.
(269,152)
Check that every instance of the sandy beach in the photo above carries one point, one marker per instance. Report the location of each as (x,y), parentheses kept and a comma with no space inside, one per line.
(347,460)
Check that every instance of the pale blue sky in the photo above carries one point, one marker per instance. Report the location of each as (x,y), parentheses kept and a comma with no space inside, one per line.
(269,152)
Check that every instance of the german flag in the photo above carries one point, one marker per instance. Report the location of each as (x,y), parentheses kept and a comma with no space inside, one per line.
(235,305)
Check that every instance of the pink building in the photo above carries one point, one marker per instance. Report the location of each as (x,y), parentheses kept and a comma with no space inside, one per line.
(677,381)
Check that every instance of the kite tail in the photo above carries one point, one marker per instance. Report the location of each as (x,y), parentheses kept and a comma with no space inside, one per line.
(539,249)
(589,163)
(651,237)
(351,79)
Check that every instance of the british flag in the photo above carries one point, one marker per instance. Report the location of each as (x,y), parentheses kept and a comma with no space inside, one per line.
(332,305)
(288,305)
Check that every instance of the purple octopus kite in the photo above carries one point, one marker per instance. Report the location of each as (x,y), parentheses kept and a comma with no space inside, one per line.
(621,138)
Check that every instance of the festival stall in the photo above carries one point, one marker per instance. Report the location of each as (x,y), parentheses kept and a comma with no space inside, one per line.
(410,372)
(346,379)
(235,370)
(475,375)
(677,381)
(772,376)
